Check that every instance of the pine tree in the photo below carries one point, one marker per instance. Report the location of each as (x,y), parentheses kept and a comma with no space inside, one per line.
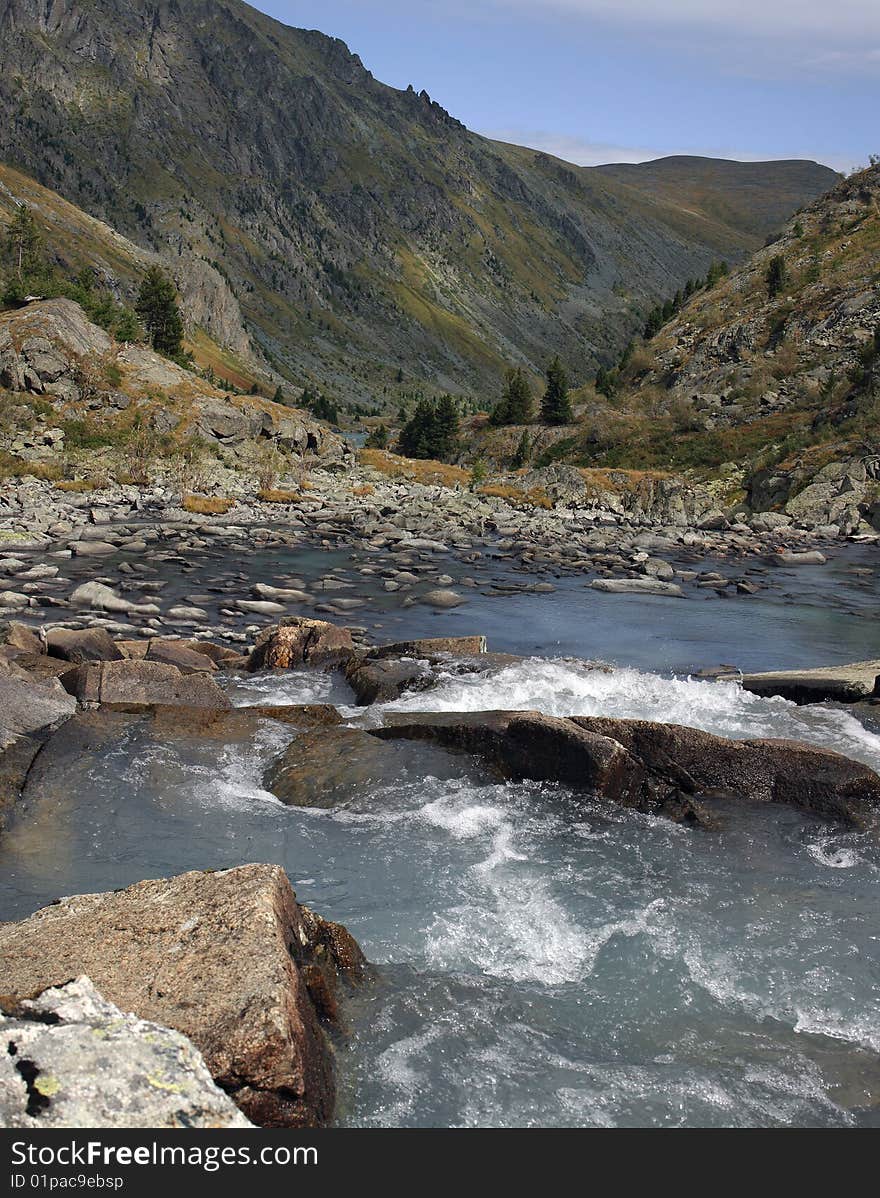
(775,276)
(516,405)
(446,425)
(24,242)
(378,438)
(520,403)
(419,435)
(556,406)
(127,327)
(522,452)
(157,308)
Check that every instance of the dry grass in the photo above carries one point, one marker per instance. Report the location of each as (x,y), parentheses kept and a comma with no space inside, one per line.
(428,473)
(203,505)
(270,495)
(77,486)
(535,497)
(15,467)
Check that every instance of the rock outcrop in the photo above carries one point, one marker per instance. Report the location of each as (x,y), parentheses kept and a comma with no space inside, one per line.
(228,959)
(141,682)
(299,641)
(840,684)
(661,768)
(72,1059)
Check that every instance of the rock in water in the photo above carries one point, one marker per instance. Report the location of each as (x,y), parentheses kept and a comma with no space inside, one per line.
(636,586)
(229,959)
(139,682)
(662,768)
(81,645)
(299,641)
(73,1059)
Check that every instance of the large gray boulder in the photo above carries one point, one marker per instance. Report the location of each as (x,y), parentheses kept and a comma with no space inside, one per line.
(73,1059)
(29,707)
(228,959)
(81,645)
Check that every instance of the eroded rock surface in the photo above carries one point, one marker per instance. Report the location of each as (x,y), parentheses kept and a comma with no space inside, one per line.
(229,959)
(73,1059)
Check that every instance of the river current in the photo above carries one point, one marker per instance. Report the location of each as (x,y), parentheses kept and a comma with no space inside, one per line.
(544,958)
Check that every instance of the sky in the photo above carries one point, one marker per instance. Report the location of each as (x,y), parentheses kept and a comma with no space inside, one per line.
(628,80)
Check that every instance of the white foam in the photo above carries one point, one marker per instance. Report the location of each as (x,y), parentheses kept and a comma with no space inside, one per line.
(562,688)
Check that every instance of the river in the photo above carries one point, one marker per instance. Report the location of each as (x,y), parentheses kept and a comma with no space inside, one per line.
(544,958)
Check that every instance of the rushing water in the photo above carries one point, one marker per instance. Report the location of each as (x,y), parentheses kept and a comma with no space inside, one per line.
(545,959)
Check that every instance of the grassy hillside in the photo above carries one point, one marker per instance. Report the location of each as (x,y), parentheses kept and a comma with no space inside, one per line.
(751,376)
(375,245)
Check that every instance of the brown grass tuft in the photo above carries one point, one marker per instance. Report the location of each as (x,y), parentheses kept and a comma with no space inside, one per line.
(204,505)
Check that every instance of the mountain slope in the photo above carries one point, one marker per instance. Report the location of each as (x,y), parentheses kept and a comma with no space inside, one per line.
(768,386)
(366,233)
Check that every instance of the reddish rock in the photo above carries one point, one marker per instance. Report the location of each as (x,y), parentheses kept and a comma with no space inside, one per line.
(229,959)
(298,641)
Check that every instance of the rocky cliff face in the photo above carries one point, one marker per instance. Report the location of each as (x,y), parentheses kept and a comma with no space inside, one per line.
(365,230)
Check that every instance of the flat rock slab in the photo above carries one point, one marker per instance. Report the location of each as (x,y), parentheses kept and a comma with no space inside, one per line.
(130,681)
(229,959)
(73,1059)
(662,768)
(636,586)
(842,684)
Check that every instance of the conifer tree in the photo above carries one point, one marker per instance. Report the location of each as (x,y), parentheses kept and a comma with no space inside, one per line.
(522,452)
(556,406)
(24,242)
(446,426)
(775,276)
(157,307)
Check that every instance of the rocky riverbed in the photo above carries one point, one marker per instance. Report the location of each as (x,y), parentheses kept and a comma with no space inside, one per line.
(580,788)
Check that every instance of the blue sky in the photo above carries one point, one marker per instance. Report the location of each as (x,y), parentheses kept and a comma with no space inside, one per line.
(626,80)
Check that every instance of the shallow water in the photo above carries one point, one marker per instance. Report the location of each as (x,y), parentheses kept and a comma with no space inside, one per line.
(545,959)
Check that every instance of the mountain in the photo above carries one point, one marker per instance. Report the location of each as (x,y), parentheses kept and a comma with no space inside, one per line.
(772,386)
(374,244)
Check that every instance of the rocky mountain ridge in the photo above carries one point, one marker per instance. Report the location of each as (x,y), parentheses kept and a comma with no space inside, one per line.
(375,245)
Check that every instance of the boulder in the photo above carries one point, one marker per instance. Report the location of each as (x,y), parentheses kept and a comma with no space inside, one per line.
(442,598)
(104,598)
(840,684)
(298,641)
(347,767)
(73,1059)
(228,959)
(81,645)
(660,768)
(436,646)
(138,682)
(811,557)
(815,780)
(21,638)
(636,586)
(175,653)
(381,681)
(29,707)
(527,744)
